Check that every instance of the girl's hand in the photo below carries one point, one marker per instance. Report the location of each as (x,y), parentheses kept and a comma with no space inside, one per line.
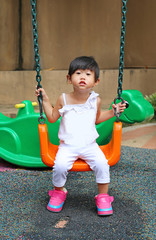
(120,107)
(37,93)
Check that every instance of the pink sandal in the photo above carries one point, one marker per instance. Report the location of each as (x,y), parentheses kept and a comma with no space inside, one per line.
(57,200)
(103,203)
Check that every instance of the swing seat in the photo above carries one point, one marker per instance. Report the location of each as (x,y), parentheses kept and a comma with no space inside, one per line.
(111,150)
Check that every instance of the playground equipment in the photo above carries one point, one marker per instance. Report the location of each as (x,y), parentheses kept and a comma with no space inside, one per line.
(112,149)
(19,137)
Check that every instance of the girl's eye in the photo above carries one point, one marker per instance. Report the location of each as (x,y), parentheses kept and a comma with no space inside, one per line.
(77,72)
(88,74)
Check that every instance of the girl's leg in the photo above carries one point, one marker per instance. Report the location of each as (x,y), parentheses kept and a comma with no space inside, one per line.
(101,168)
(103,188)
(63,163)
(59,188)
(99,164)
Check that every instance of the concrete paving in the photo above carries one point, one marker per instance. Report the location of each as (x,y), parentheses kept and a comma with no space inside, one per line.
(141,136)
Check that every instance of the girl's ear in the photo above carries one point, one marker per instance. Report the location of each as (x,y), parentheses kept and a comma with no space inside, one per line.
(97,82)
(69,79)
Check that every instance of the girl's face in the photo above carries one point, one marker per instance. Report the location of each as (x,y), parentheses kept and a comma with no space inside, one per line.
(82,79)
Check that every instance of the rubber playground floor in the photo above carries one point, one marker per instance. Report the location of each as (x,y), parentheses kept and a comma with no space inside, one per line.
(24,196)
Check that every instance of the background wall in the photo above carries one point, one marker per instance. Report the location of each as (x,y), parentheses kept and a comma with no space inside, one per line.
(68,29)
(140,50)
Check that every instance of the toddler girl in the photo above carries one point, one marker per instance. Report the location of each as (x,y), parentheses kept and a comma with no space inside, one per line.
(80,111)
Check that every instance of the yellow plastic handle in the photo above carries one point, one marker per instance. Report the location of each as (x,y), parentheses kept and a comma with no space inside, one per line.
(22,105)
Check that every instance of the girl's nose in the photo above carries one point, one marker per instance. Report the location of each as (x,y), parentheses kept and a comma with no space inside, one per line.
(82,75)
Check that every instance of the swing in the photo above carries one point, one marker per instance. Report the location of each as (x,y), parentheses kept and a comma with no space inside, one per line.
(49,150)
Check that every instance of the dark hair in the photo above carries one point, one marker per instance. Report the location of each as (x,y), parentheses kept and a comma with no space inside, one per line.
(84,62)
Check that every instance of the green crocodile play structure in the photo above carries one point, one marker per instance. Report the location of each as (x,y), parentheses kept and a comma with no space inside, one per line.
(19,137)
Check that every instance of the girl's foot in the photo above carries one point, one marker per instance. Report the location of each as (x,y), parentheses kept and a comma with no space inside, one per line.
(103,203)
(57,199)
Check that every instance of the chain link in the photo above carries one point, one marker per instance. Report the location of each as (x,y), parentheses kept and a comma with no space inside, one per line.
(122,45)
(36,46)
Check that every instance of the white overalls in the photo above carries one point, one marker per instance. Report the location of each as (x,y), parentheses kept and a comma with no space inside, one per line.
(77,134)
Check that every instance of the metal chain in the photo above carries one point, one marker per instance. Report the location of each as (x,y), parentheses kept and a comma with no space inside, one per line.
(36,47)
(121,63)
(122,45)
(37,58)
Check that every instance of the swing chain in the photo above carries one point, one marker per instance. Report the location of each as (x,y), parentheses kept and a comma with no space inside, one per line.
(122,45)
(117,114)
(41,119)
(37,59)
(121,63)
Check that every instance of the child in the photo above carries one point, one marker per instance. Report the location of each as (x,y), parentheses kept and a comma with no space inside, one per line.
(80,111)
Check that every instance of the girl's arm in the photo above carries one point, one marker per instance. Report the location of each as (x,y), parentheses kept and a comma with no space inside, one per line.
(105,115)
(52,113)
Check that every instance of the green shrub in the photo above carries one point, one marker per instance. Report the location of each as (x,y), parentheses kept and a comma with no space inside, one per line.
(152,99)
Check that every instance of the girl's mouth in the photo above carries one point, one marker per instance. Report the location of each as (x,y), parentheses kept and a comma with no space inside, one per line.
(82,83)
